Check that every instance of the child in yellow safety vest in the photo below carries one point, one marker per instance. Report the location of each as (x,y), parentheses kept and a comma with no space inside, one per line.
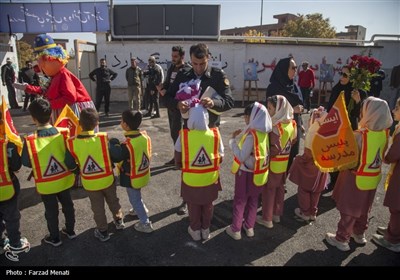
(355,189)
(45,152)
(90,150)
(303,172)
(282,137)
(199,151)
(389,237)
(250,167)
(10,162)
(135,155)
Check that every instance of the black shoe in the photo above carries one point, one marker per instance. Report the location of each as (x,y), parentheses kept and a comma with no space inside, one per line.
(171,162)
(71,234)
(155,116)
(182,210)
(147,115)
(55,242)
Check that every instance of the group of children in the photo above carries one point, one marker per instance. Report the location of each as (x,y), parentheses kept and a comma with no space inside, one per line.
(56,158)
(260,167)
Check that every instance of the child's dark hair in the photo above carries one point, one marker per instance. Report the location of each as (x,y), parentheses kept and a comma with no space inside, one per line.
(248,109)
(132,118)
(88,119)
(40,110)
(273,100)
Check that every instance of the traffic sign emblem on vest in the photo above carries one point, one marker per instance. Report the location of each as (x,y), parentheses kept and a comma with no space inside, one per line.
(53,168)
(201,159)
(91,166)
(145,163)
(376,164)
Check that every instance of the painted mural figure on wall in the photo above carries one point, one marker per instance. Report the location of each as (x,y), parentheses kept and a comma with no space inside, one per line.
(64,87)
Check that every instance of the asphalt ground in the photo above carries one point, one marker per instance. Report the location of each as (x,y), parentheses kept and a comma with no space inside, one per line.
(289,243)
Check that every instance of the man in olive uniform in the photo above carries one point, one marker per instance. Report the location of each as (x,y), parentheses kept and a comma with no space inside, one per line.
(210,77)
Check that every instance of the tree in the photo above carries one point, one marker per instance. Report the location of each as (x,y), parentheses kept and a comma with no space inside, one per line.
(309,26)
(25,53)
(254,33)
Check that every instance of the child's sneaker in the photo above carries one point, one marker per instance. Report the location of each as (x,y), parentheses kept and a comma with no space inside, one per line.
(70,234)
(235,235)
(301,215)
(359,238)
(195,234)
(249,231)
(205,233)
(103,236)
(119,224)
(331,239)
(3,244)
(55,242)
(276,219)
(313,218)
(380,240)
(381,230)
(147,228)
(261,221)
(11,252)
(132,211)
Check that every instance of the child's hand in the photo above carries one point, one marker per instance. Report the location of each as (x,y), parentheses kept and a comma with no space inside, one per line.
(236,133)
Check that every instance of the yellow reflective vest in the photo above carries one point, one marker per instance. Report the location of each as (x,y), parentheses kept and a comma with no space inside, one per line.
(200,156)
(261,152)
(279,162)
(47,156)
(139,156)
(93,158)
(7,189)
(368,174)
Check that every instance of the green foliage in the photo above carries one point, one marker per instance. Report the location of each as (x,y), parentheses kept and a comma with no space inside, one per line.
(254,33)
(309,26)
(25,53)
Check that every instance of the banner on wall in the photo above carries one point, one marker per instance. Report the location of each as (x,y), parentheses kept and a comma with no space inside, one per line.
(54,17)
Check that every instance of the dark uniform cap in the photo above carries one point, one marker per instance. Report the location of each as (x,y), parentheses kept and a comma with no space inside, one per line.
(42,42)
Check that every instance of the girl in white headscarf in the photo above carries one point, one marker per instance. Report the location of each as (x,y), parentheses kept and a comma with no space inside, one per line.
(389,237)
(282,137)
(355,189)
(303,172)
(250,167)
(199,151)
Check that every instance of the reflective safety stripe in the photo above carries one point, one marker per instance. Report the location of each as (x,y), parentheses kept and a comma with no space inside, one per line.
(368,174)
(139,156)
(280,162)
(47,156)
(200,155)
(7,190)
(94,161)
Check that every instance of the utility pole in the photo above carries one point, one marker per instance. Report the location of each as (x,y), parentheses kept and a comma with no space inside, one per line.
(262,4)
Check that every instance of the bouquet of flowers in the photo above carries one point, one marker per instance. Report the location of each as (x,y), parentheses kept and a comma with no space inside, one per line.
(189,92)
(362,70)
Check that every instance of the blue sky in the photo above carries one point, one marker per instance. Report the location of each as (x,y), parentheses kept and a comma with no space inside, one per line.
(378,16)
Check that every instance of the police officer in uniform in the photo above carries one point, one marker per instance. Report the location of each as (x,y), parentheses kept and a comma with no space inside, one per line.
(209,76)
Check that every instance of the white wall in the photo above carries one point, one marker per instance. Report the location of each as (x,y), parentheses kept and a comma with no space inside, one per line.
(233,55)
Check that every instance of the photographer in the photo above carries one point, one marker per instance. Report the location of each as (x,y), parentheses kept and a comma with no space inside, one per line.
(154,78)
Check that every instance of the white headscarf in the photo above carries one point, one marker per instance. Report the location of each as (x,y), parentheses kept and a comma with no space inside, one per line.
(284,111)
(198,118)
(259,119)
(376,114)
